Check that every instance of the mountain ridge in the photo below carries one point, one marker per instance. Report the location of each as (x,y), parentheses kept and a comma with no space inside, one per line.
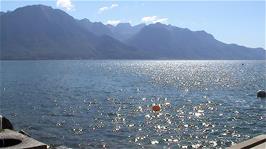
(41,32)
(47,33)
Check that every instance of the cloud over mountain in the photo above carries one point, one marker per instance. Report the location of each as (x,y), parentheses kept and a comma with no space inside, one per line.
(153,19)
(105,8)
(65,4)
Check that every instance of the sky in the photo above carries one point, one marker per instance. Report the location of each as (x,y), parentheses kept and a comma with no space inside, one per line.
(230,21)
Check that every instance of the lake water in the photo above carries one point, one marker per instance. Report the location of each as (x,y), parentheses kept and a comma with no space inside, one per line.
(97,104)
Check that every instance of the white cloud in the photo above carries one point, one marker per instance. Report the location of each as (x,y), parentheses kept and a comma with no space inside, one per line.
(114,5)
(66,4)
(154,19)
(162,20)
(105,8)
(149,19)
(113,22)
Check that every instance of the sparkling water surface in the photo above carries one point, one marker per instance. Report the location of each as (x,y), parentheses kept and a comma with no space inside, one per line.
(98,104)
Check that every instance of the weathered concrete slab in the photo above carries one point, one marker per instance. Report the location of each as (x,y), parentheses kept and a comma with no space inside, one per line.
(258,142)
(8,137)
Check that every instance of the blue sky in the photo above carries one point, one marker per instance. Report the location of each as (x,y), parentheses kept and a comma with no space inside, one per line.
(240,22)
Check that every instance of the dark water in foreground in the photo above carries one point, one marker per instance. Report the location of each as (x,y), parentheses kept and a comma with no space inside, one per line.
(95,104)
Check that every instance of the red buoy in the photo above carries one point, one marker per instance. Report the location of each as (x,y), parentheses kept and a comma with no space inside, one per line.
(156,108)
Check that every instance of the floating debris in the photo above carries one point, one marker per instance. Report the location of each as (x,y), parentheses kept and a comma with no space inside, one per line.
(156,108)
(261,94)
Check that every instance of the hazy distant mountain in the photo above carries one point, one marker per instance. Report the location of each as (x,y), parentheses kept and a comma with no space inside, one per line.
(41,32)
(170,42)
(121,31)
(124,31)
(97,28)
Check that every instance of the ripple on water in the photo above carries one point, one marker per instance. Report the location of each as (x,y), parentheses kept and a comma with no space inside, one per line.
(98,104)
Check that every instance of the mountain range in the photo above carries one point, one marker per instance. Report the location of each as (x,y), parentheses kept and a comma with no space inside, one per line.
(41,32)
